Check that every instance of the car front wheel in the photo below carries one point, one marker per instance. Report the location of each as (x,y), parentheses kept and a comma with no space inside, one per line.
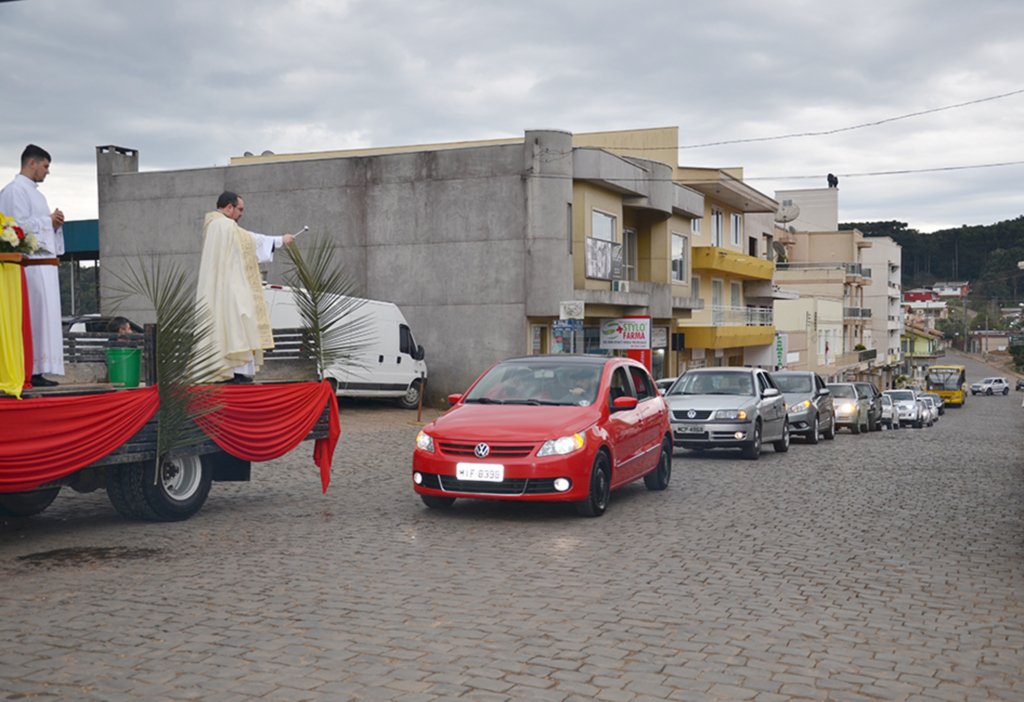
(752,451)
(812,435)
(600,489)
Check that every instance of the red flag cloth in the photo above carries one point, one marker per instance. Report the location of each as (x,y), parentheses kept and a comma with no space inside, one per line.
(46,438)
(263,422)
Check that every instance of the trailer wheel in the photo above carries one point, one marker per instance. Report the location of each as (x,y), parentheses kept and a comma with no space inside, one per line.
(172,494)
(26,504)
(411,399)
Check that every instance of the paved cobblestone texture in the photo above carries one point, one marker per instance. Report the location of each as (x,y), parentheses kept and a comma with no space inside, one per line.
(885,566)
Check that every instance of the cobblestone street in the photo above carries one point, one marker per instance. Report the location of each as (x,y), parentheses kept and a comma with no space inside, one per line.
(882,566)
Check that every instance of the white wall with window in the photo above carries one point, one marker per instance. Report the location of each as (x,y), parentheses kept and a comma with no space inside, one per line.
(717,227)
(735,294)
(680,256)
(736,230)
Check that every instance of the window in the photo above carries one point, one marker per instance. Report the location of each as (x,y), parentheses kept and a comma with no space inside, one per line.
(680,246)
(603,226)
(620,386)
(695,227)
(406,344)
(736,231)
(735,295)
(642,384)
(717,227)
(717,292)
(629,254)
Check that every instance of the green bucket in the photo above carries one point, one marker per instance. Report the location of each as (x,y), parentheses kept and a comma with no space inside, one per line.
(124,366)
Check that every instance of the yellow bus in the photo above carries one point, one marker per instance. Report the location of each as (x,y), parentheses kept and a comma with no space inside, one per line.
(948,382)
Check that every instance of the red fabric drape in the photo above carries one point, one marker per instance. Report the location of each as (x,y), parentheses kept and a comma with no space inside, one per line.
(264,422)
(47,438)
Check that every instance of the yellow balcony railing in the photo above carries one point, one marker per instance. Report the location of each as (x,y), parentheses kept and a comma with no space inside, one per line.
(731,264)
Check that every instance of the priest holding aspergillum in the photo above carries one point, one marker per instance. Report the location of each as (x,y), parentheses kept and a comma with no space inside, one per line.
(231,290)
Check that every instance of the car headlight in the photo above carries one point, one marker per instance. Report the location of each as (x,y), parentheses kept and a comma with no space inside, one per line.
(800,406)
(425,442)
(562,446)
(847,407)
(731,414)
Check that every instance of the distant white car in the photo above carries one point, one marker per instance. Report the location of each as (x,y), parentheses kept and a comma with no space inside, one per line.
(664,384)
(991,386)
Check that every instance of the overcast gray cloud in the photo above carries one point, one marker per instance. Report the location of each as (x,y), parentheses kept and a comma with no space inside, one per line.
(194,82)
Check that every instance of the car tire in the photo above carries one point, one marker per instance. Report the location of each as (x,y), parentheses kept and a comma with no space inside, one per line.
(812,436)
(830,433)
(752,451)
(26,504)
(411,399)
(437,501)
(600,488)
(782,445)
(658,478)
(855,427)
(1006,391)
(989,391)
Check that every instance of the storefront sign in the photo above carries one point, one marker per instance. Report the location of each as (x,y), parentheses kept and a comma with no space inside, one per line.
(628,333)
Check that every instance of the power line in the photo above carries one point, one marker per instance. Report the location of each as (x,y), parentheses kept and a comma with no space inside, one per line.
(856,126)
(887,173)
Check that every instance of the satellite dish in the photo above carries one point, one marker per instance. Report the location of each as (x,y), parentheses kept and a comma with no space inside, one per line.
(779,248)
(267,153)
(788,211)
(792,229)
(247,153)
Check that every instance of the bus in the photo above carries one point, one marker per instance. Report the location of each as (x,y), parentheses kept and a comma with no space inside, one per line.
(948,382)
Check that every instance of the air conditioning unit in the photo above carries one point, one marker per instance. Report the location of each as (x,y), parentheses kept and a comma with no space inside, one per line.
(620,286)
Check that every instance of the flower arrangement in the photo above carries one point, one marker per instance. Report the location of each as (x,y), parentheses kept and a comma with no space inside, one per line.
(14,239)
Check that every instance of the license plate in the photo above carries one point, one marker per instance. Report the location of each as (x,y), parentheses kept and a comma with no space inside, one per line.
(484,472)
(690,429)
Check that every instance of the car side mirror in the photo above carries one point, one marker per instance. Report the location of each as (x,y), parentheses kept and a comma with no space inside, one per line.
(454,399)
(418,356)
(824,391)
(624,402)
(770,392)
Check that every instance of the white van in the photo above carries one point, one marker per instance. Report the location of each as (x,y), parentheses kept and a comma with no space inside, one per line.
(390,363)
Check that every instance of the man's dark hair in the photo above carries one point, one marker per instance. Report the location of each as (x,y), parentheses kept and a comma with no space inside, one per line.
(119,323)
(34,152)
(227,198)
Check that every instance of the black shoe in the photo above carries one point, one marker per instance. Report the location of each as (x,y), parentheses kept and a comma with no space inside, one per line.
(39,381)
(240,380)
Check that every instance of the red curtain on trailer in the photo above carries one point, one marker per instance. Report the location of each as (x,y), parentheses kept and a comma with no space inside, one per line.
(46,438)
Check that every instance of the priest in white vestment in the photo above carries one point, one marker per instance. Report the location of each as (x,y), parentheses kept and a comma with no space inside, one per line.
(22,200)
(231,290)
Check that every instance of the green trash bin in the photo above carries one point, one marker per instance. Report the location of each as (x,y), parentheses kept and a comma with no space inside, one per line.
(124,366)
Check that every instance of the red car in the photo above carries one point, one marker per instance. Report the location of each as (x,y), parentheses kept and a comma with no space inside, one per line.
(547,428)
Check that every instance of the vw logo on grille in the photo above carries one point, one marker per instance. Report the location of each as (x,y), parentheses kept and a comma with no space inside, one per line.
(482,450)
(691,414)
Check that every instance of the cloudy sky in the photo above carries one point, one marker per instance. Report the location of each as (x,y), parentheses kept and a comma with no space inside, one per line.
(191,83)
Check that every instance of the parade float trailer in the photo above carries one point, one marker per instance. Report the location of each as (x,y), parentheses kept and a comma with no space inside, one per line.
(87,434)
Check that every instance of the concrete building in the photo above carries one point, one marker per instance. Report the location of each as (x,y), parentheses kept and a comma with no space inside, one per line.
(883,297)
(479,244)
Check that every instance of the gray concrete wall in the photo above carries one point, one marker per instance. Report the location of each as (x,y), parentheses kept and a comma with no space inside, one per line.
(466,241)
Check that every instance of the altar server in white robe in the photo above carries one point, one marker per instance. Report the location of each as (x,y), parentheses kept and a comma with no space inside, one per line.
(22,200)
(231,290)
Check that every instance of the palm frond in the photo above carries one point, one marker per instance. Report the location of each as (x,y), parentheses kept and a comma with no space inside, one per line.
(185,368)
(325,295)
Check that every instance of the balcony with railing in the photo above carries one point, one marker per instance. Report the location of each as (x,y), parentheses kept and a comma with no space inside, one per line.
(855,270)
(856,313)
(725,315)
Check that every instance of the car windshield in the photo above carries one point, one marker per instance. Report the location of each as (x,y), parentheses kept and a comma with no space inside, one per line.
(901,395)
(714,383)
(886,400)
(793,383)
(528,382)
(843,390)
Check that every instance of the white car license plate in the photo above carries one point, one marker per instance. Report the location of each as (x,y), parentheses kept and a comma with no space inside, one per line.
(691,429)
(485,472)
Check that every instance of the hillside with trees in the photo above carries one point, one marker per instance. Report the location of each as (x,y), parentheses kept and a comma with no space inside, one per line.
(984,255)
